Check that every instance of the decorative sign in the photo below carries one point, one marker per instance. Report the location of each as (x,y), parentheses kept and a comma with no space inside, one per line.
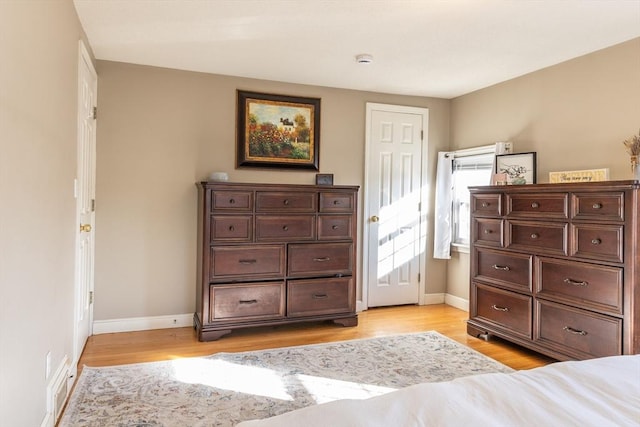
(588,175)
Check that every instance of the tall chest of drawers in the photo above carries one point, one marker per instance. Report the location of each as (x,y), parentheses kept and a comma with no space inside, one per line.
(555,267)
(274,254)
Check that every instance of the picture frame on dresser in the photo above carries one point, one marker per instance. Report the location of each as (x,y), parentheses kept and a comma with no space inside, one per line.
(277,131)
(520,168)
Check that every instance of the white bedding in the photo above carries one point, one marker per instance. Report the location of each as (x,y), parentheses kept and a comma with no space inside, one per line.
(598,392)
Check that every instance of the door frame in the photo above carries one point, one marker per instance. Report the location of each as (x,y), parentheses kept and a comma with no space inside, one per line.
(83,57)
(424,194)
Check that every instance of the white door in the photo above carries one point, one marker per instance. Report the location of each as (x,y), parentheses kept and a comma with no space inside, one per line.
(85,202)
(395,226)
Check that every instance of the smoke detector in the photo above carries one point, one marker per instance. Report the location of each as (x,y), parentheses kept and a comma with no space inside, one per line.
(364,58)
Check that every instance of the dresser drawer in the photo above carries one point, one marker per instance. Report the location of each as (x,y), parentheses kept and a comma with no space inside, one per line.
(335,227)
(591,286)
(248,301)
(503,309)
(598,206)
(327,259)
(486,204)
(228,262)
(502,268)
(237,201)
(320,296)
(337,202)
(540,205)
(294,201)
(537,237)
(577,333)
(231,228)
(487,231)
(285,227)
(599,242)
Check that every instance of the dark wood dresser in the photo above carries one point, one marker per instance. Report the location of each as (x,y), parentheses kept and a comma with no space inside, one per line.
(555,267)
(274,254)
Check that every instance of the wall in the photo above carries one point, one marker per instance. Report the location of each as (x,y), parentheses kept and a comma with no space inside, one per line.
(159,132)
(575,115)
(38,98)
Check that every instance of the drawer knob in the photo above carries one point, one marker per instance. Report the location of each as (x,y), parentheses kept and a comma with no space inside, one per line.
(534,235)
(231,228)
(336,202)
(320,296)
(497,308)
(487,231)
(597,206)
(231,201)
(574,331)
(596,241)
(485,204)
(248,301)
(286,202)
(285,228)
(322,259)
(501,267)
(334,227)
(247,261)
(575,282)
(535,205)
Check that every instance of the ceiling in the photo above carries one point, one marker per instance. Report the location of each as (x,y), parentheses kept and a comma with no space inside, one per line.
(438,48)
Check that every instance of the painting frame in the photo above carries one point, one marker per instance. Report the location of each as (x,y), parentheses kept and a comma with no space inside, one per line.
(277,131)
(521,168)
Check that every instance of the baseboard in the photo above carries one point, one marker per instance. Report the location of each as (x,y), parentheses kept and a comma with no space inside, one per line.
(457,302)
(142,323)
(430,299)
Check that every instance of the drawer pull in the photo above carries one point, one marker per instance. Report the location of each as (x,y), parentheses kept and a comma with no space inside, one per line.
(487,231)
(597,206)
(336,202)
(231,228)
(247,261)
(535,205)
(248,301)
(501,267)
(286,202)
(334,227)
(323,259)
(574,331)
(596,241)
(485,204)
(232,201)
(320,296)
(497,308)
(534,235)
(575,282)
(285,228)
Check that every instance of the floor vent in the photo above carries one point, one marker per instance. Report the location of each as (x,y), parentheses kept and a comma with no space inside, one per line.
(58,390)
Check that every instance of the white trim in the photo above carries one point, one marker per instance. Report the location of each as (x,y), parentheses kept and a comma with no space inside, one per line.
(430,299)
(56,383)
(142,323)
(457,302)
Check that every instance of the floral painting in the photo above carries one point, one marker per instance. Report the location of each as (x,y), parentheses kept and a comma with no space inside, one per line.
(520,168)
(278,131)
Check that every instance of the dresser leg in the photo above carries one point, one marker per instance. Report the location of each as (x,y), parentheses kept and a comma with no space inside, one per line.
(347,321)
(477,332)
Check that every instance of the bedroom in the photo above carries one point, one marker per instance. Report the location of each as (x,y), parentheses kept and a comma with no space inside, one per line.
(600,90)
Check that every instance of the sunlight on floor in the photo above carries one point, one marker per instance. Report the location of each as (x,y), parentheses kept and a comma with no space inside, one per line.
(267,382)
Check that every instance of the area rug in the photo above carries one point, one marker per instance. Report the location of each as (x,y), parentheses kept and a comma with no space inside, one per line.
(226,388)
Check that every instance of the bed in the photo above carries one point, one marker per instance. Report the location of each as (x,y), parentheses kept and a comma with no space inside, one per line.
(597,392)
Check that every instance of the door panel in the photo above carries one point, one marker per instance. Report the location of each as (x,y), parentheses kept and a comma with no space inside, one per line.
(394,182)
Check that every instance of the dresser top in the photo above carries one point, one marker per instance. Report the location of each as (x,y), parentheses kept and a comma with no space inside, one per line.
(576,186)
(273,187)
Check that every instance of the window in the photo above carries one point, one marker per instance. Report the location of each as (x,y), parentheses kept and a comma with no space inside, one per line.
(468,170)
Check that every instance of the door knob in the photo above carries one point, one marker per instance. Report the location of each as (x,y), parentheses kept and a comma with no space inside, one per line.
(375,218)
(85,227)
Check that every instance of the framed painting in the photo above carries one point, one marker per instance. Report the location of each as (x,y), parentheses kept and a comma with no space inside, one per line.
(519,168)
(277,131)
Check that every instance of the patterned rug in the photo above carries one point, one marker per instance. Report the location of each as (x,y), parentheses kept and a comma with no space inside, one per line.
(226,388)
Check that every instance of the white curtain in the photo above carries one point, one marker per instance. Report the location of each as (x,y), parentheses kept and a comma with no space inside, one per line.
(444,199)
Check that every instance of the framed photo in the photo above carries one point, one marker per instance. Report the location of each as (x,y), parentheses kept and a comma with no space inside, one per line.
(520,168)
(277,131)
(324,179)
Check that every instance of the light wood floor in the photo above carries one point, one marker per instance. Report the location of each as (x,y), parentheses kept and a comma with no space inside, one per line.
(163,344)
